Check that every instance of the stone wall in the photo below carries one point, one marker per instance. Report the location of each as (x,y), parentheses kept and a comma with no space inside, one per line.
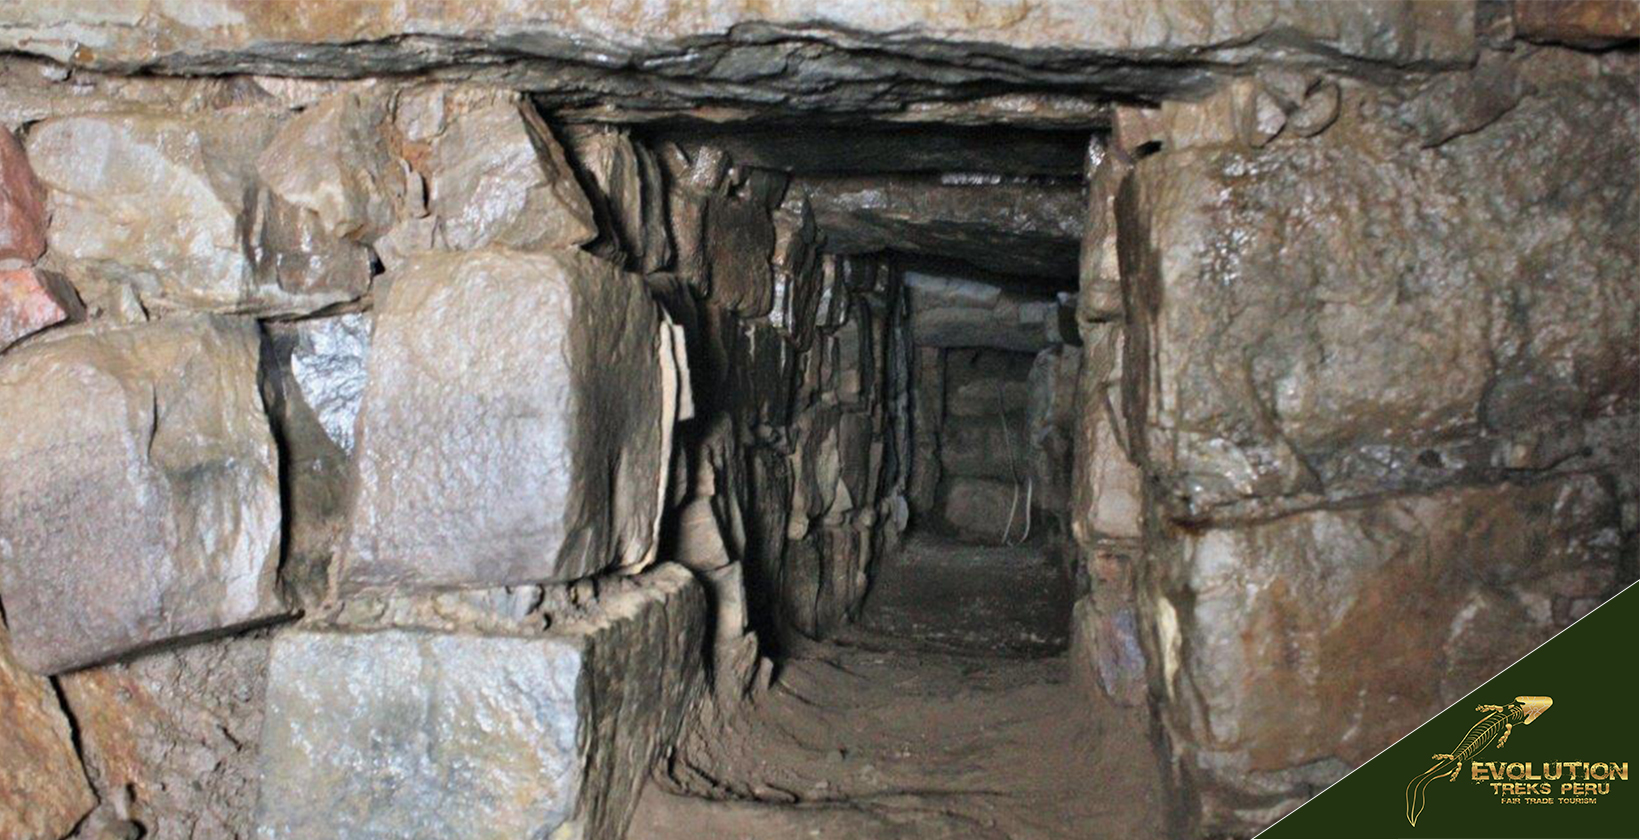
(415,377)
(1360,395)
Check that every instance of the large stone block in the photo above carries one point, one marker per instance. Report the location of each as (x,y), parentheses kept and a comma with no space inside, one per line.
(170,738)
(43,789)
(629,57)
(400,732)
(985,447)
(1297,648)
(511,429)
(1338,316)
(498,178)
(139,493)
(173,208)
(1011,227)
(982,510)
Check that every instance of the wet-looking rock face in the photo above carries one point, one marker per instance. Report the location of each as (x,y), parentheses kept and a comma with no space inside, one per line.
(535,419)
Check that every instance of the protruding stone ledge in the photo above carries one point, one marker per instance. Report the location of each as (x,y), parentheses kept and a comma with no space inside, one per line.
(397,730)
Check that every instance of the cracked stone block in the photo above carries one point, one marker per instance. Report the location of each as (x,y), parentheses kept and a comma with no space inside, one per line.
(43,789)
(173,208)
(32,300)
(511,428)
(392,732)
(22,205)
(1328,635)
(139,494)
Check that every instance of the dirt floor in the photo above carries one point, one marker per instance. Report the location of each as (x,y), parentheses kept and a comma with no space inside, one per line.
(935,716)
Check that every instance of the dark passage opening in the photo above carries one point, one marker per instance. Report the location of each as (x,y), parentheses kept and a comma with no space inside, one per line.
(914,597)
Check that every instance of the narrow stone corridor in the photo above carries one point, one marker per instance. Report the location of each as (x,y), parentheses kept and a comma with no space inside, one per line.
(949,711)
(676,420)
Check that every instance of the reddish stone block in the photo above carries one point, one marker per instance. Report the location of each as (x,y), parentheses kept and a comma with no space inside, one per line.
(22,205)
(31,300)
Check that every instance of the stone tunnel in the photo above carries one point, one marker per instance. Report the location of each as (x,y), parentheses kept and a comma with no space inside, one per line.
(526,420)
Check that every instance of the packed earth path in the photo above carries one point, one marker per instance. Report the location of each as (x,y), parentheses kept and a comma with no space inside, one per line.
(883,734)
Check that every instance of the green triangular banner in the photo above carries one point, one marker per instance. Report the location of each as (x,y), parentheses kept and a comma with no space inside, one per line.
(1574,771)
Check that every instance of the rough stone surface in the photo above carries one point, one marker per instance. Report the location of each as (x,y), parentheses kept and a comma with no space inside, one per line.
(1105,645)
(313,392)
(979,509)
(799,269)
(622,179)
(511,425)
(927,412)
(1114,484)
(1005,225)
(885,148)
(985,447)
(739,237)
(1583,23)
(32,300)
(22,204)
(1107,487)
(1307,644)
(407,732)
(1400,334)
(138,475)
(332,160)
(1050,424)
(957,312)
(43,789)
(170,739)
(985,397)
(498,178)
(172,207)
(894,58)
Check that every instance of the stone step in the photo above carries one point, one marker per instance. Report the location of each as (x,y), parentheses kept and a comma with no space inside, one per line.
(429,731)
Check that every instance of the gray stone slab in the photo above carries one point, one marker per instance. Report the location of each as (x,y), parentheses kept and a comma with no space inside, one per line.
(139,494)
(411,732)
